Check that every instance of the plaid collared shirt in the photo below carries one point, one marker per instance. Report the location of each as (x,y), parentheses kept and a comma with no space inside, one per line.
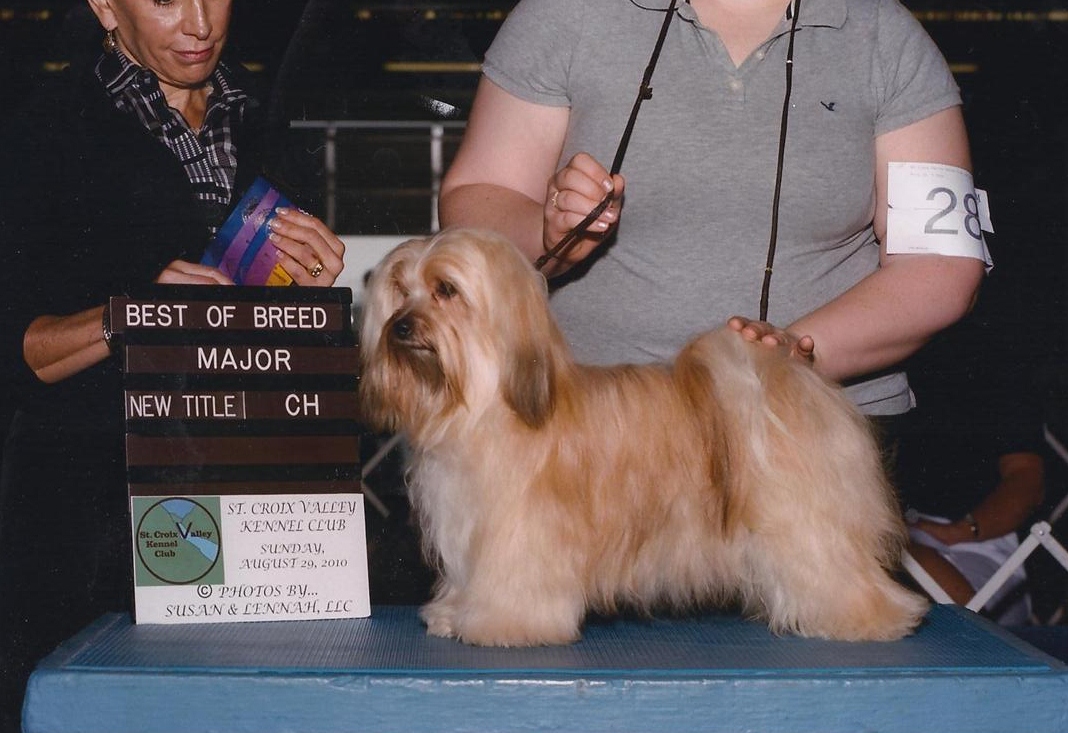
(208,155)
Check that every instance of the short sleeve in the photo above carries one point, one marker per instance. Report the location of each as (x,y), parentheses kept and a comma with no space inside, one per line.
(913,80)
(531,55)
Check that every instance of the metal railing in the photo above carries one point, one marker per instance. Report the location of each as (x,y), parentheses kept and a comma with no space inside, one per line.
(435,137)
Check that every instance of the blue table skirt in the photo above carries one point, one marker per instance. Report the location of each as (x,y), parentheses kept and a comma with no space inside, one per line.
(383,674)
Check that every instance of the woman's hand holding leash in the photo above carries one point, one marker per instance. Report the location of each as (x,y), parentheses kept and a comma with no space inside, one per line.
(572,195)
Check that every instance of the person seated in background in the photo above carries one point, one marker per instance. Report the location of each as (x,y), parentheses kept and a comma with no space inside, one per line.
(118,178)
(971,467)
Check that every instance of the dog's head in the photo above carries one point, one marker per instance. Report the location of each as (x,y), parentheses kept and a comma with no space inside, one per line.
(453,326)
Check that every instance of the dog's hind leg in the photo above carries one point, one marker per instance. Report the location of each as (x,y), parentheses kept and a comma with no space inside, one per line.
(801,588)
(826,533)
(821,527)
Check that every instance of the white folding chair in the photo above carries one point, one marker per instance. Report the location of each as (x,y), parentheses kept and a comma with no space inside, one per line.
(1061,451)
(365,470)
(1040,535)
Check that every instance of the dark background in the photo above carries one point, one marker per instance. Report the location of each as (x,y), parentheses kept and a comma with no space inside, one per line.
(407,60)
(410,60)
(418,60)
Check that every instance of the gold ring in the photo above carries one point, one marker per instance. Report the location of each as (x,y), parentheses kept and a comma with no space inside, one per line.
(553,200)
(317,270)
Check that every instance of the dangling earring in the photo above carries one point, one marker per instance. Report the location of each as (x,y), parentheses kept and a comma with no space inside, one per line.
(111,44)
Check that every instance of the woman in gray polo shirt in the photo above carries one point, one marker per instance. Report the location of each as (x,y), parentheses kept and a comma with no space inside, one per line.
(683,246)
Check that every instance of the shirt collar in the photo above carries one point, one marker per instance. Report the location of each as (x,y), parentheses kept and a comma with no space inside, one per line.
(823,13)
(116,72)
(814,13)
(119,74)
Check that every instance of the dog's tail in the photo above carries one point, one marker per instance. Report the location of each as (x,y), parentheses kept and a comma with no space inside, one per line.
(808,487)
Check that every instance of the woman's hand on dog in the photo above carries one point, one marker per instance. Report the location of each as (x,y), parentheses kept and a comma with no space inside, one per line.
(571,194)
(801,347)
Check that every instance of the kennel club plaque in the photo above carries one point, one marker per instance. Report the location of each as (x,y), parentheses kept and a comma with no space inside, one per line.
(242,454)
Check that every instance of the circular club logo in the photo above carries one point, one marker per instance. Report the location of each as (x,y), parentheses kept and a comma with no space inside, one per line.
(178,541)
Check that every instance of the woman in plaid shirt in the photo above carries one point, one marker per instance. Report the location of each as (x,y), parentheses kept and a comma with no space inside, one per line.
(119,179)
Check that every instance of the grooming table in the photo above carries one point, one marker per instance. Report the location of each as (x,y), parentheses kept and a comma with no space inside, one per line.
(384,674)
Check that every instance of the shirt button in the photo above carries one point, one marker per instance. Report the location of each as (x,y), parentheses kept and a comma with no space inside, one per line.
(735,85)
(760,55)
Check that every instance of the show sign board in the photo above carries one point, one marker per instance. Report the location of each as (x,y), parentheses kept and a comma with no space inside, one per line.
(243,454)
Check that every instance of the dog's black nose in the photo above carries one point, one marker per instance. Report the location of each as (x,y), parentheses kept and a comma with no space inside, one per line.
(403,328)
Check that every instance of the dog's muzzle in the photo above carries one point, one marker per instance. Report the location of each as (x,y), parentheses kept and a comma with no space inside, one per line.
(406,333)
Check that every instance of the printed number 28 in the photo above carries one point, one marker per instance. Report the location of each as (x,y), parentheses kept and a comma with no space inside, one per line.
(971,218)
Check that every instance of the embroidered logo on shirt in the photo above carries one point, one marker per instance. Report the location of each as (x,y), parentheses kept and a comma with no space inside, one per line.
(829,106)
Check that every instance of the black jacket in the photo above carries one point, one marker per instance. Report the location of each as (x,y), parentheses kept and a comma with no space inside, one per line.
(92,205)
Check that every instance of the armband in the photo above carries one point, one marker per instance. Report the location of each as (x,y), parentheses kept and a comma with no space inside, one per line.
(936,209)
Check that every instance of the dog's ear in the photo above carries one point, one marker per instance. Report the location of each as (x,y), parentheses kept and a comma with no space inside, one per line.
(529,384)
(530,349)
(530,372)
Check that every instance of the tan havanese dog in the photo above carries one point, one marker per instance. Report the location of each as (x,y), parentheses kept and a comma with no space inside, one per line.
(547,489)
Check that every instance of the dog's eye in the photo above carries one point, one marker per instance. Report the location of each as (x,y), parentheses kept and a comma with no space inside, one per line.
(444,290)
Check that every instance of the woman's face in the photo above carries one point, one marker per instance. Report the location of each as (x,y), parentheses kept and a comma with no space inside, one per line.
(180,40)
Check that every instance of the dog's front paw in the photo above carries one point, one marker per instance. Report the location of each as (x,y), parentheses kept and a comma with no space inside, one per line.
(440,618)
(515,632)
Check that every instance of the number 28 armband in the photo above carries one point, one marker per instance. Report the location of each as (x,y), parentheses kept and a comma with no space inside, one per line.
(936,209)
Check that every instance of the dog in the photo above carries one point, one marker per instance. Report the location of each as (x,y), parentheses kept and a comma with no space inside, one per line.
(546,490)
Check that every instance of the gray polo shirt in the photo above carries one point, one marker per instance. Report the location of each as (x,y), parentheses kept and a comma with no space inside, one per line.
(693,235)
